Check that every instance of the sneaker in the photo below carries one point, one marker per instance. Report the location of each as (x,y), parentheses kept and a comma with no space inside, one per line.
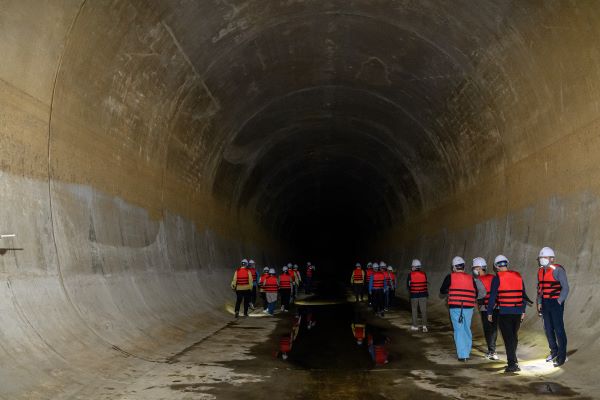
(550,358)
(265,311)
(245,315)
(558,363)
(512,369)
(385,309)
(282,308)
(493,356)
(251,306)
(414,328)
(425,330)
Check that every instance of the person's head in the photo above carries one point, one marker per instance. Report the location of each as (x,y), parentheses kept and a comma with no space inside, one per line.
(501,263)
(266,269)
(271,271)
(285,268)
(295,267)
(479,266)
(370,265)
(415,265)
(244,263)
(357,265)
(251,264)
(389,268)
(375,267)
(458,264)
(546,257)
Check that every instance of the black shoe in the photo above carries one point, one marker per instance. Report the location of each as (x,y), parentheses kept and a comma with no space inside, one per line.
(512,368)
(237,315)
(463,359)
(245,315)
(559,363)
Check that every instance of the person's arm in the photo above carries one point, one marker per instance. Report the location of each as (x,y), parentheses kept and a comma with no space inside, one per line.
(234,280)
(445,285)
(525,300)
(479,289)
(493,295)
(561,275)
(352,278)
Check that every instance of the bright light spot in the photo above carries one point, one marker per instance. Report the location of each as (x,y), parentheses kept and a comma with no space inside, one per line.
(538,367)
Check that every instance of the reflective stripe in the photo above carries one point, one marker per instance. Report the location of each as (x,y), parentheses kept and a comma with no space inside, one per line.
(358,275)
(378,280)
(510,291)
(285,281)
(271,285)
(242,277)
(548,287)
(418,282)
(461,291)
(253,272)
(486,280)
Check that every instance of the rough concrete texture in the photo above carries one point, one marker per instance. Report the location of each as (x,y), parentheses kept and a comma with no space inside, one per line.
(146,145)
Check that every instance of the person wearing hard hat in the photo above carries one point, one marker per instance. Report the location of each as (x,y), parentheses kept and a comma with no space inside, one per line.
(298,279)
(261,287)
(386,292)
(285,288)
(490,328)
(310,270)
(377,286)
(290,272)
(271,287)
(359,332)
(553,289)
(508,293)
(252,269)
(242,284)
(463,292)
(393,283)
(416,283)
(357,280)
(368,274)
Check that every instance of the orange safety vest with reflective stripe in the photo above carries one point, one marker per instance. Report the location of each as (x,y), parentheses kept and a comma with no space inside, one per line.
(261,281)
(462,291)
(358,276)
(548,287)
(253,272)
(285,344)
(285,281)
(378,280)
(359,331)
(309,272)
(271,285)
(292,275)
(381,354)
(242,279)
(486,280)
(418,282)
(510,291)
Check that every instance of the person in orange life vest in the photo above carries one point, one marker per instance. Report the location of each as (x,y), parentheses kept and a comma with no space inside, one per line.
(359,332)
(298,279)
(383,269)
(252,269)
(393,286)
(553,289)
(271,287)
(490,328)
(310,270)
(285,345)
(377,349)
(416,282)
(377,286)
(463,292)
(261,288)
(508,292)
(290,272)
(242,284)
(368,274)
(357,280)
(285,288)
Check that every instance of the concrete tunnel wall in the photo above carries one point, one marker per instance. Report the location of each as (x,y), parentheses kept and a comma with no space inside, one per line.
(147,145)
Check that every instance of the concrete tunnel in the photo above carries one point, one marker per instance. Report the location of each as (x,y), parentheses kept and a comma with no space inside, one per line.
(148,145)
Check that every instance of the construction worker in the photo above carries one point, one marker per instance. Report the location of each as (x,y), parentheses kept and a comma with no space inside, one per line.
(298,278)
(242,284)
(508,292)
(463,292)
(290,272)
(271,287)
(261,287)
(310,270)
(285,288)
(359,332)
(377,286)
(252,269)
(416,282)
(357,280)
(490,328)
(553,289)
(368,274)
(393,284)
(383,269)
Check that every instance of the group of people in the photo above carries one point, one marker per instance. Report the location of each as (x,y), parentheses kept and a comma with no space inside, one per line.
(247,283)
(378,281)
(501,300)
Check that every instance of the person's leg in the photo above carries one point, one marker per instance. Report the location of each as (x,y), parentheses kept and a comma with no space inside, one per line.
(559,329)
(423,308)
(468,334)
(506,324)
(392,297)
(247,296)
(263,297)
(487,330)
(547,307)
(355,287)
(414,304)
(516,326)
(253,296)
(238,301)
(454,317)
(494,333)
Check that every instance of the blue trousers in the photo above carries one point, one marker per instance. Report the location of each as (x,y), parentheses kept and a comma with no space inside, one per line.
(463,338)
(552,312)
(271,307)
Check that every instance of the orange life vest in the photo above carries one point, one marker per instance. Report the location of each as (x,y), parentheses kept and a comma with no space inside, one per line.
(548,287)
(271,285)
(358,275)
(292,275)
(381,354)
(461,291)
(261,281)
(309,272)
(486,280)
(418,282)
(285,344)
(359,331)
(378,280)
(285,281)
(242,277)
(510,291)
(253,272)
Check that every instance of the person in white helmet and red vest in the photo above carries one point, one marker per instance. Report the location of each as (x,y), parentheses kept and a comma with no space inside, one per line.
(416,283)
(508,293)
(490,328)
(463,292)
(357,280)
(242,284)
(553,289)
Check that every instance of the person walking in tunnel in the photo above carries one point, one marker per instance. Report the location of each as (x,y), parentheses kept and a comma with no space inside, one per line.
(386,291)
(508,292)
(290,272)
(463,292)
(357,280)
(490,328)
(393,286)
(377,287)
(416,283)
(553,289)
(368,274)
(242,284)
(310,269)
(359,331)
(285,289)
(261,287)
(252,269)
(271,287)
(298,279)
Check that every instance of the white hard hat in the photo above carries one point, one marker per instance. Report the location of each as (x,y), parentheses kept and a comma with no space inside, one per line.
(295,266)
(382,264)
(390,268)
(308,263)
(416,263)
(479,262)
(244,262)
(289,265)
(546,252)
(251,262)
(265,268)
(500,259)
(272,271)
(357,265)
(285,268)
(370,264)
(375,266)
(457,261)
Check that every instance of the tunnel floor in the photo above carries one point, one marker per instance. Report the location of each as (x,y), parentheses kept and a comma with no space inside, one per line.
(242,360)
